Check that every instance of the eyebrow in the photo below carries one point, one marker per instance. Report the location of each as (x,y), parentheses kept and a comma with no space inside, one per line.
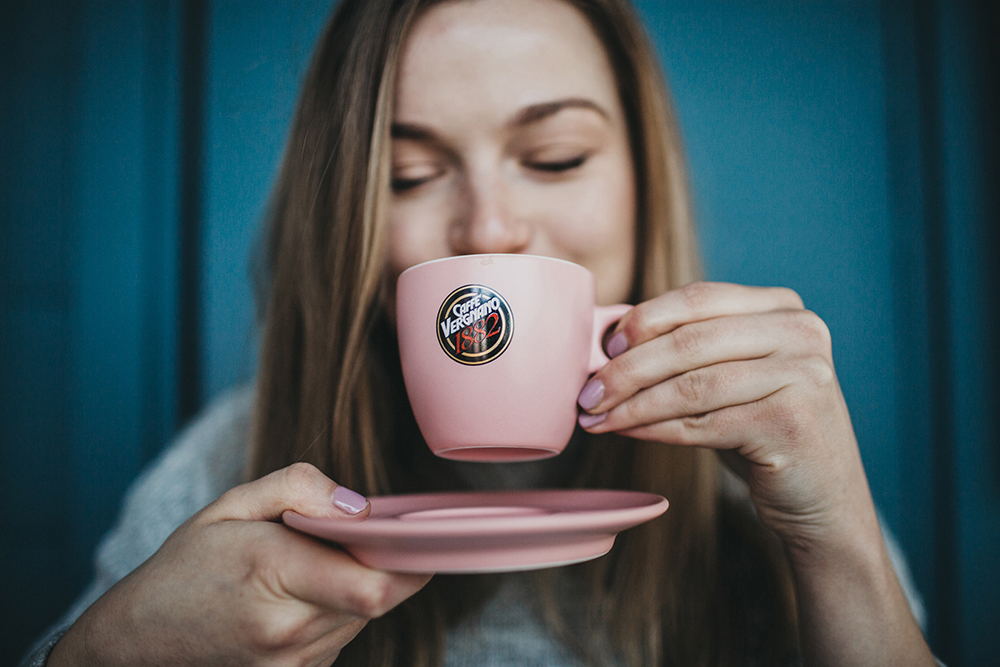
(537,112)
(410,131)
(526,116)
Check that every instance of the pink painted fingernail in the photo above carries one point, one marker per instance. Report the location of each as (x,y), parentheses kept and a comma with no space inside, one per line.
(350,502)
(587,420)
(591,394)
(617,344)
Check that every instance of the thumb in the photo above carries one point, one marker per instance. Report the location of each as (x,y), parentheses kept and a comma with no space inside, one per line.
(300,487)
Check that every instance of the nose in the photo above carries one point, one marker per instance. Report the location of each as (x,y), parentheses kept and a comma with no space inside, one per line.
(486,220)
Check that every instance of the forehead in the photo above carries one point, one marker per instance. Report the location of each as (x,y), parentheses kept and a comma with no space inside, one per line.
(493,57)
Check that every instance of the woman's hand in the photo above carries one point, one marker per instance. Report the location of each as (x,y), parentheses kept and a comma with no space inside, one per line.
(748,371)
(745,370)
(234,586)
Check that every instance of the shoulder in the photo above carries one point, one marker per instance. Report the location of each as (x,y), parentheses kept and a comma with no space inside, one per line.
(208,456)
(205,461)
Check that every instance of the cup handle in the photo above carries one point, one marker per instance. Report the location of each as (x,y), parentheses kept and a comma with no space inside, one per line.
(604,317)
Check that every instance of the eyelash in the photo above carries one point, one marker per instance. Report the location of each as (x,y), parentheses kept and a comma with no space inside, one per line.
(556,167)
(404,184)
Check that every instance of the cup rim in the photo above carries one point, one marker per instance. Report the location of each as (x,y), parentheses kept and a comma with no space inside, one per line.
(493,254)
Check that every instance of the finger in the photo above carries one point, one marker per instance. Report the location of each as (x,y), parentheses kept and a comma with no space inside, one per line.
(300,487)
(684,349)
(695,302)
(726,429)
(758,430)
(697,392)
(331,579)
(712,429)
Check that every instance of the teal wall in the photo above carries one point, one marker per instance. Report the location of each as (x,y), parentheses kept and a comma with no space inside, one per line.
(86,196)
(845,148)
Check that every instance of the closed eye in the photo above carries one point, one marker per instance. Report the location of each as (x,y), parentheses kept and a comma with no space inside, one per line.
(559,165)
(404,184)
(408,177)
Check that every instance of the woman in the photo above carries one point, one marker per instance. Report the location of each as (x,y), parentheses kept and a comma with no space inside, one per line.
(538,126)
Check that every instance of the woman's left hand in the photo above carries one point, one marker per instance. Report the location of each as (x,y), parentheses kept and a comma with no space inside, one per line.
(746,370)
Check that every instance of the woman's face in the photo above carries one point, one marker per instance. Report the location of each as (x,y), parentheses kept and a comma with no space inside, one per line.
(508,136)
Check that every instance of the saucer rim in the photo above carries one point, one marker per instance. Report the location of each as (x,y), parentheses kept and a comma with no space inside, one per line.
(644,506)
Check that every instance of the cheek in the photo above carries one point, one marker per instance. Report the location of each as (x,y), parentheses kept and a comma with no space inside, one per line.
(597,218)
(416,234)
(596,228)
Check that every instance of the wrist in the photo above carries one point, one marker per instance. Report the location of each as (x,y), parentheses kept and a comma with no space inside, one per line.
(853,565)
(851,608)
(69,650)
(851,541)
(825,525)
(96,637)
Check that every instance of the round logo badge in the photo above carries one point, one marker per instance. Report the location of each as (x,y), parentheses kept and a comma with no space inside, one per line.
(474,325)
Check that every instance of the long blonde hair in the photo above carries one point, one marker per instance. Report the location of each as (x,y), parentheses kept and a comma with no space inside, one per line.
(329,381)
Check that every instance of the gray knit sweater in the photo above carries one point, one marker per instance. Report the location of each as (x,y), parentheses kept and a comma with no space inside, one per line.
(207,460)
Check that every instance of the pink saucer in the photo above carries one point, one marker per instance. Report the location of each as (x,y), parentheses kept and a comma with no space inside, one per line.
(497,531)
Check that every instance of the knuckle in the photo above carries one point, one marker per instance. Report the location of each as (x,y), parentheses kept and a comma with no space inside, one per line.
(302,476)
(813,329)
(695,296)
(791,420)
(700,422)
(692,387)
(790,297)
(373,596)
(688,340)
(276,633)
(638,324)
(621,379)
(233,496)
(819,370)
(222,507)
(632,410)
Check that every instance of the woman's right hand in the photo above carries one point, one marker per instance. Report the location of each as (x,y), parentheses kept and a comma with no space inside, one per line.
(234,586)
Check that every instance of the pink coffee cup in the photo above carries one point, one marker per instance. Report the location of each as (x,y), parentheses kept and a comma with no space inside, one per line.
(495,350)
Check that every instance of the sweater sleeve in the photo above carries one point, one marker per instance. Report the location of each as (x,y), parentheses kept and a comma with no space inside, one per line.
(903,574)
(203,463)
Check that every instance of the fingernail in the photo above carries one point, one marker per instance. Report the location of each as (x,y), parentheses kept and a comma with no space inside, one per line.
(617,344)
(586,420)
(591,394)
(350,502)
